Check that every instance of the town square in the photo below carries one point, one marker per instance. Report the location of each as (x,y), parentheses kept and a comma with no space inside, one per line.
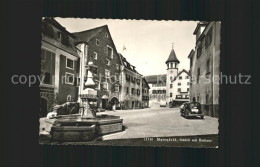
(96,88)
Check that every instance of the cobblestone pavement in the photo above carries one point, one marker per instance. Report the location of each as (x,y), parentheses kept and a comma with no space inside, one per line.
(159,122)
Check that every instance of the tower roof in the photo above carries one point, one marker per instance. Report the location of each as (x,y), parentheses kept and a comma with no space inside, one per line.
(172,57)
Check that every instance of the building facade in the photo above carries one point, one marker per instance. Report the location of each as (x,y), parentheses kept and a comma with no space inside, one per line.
(59,66)
(145,93)
(179,87)
(204,67)
(157,84)
(131,92)
(100,56)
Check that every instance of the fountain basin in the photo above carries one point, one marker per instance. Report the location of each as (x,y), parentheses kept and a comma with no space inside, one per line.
(75,128)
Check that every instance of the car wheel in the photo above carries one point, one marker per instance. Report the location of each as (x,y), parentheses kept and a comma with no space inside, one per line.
(202,117)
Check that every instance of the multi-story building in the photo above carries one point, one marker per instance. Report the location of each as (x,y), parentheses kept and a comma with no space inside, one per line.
(99,55)
(157,84)
(59,66)
(131,92)
(204,67)
(178,90)
(172,86)
(145,93)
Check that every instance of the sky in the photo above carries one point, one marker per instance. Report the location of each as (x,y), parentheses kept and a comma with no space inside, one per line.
(148,43)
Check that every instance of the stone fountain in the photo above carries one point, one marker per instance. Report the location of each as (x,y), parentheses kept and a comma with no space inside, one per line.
(86,125)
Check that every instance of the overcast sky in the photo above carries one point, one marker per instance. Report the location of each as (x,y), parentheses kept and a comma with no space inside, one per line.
(148,43)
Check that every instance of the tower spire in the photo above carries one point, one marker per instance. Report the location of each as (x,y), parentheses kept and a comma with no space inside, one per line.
(172,45)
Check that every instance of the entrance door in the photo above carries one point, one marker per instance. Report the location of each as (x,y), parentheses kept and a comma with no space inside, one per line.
(43,107)
(104,103)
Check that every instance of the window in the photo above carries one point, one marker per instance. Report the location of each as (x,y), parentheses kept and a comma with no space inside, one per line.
(47,78)
(188,83)
(127,77)
(117,76)
(191,61)
(171,65)
(106,35)
(95,55)
(69,63)
(138,92)
(138,81)
(116,88)
(187,77)
(199,51)
(180,77)
(43,55)
(133,91)
(69,78)
(207,68)
(208,38)
(198,75)
(127,90)
(179,84)
(188,89)
(110,52)
(105,86)
(179,89)
(97,42)
(108,62)
(133,79)
(170,78)
(107,73)
(47,67)
(69,98)
(170,94)
(170,85)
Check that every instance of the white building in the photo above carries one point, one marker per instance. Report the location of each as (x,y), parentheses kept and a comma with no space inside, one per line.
(177,83)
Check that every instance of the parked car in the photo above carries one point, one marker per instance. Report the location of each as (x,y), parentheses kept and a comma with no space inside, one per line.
(191,109)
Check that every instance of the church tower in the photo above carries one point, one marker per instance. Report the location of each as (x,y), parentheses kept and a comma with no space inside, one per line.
(172,71)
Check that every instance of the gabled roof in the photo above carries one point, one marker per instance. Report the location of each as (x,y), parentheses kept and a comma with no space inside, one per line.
(144,80)
(56,24)
(85,36)
(154,79)
(191,53)
(126,64)
(181,73)
(172,57)
(199,24)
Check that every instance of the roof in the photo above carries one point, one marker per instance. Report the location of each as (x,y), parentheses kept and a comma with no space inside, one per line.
(199,24)
(191,53)
(144,80)
(172,57)
(154,79)
(56,24)
(85,36)
(127,65)
(72,49)
(181,73)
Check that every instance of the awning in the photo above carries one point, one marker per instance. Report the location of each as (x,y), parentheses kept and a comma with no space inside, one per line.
(181,100)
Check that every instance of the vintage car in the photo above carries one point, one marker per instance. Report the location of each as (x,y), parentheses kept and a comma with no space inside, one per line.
(191,109)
